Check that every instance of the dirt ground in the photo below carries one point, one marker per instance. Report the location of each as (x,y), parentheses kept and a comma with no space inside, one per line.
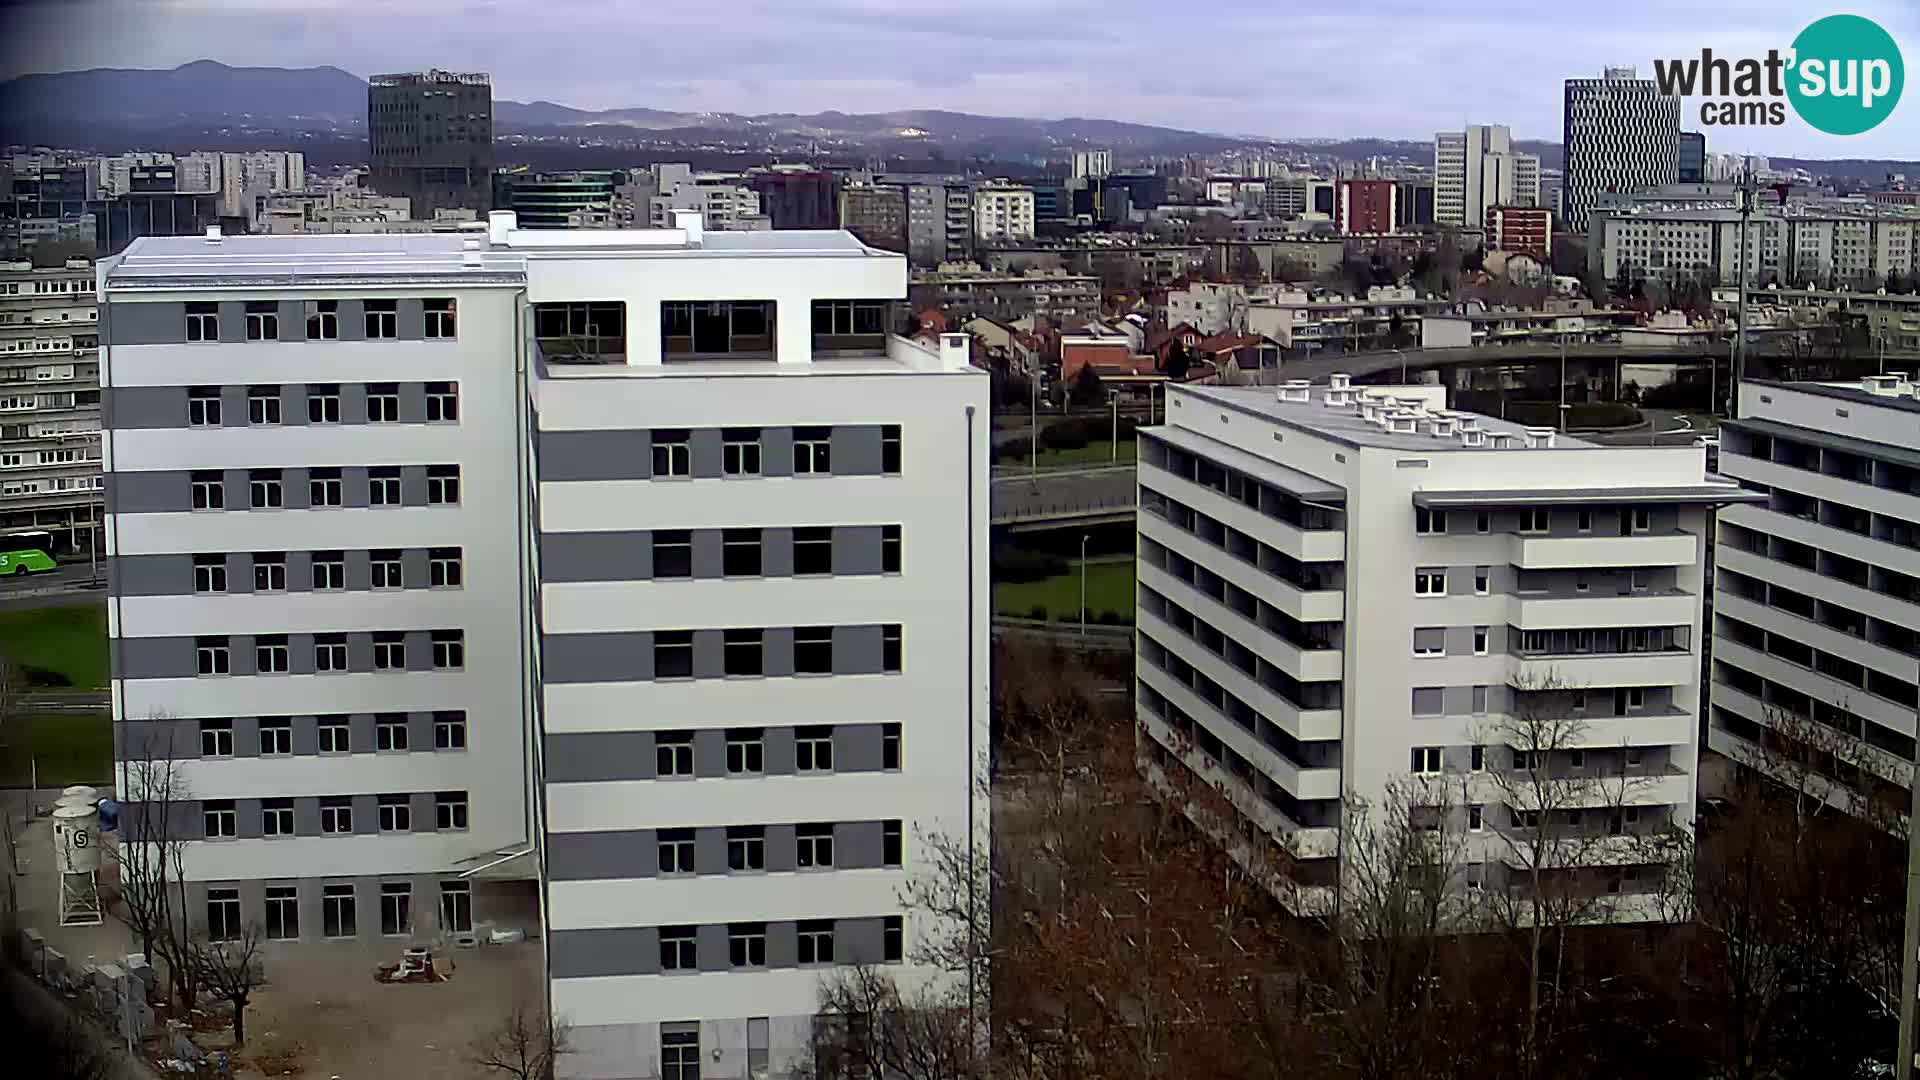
(322,1017)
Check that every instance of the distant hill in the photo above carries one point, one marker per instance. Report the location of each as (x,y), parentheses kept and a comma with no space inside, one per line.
(321,98)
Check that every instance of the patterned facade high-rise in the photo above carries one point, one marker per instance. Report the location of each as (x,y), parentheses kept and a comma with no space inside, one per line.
(1621,135)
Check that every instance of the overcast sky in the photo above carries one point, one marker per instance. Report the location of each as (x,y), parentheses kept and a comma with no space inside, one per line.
(1391,68)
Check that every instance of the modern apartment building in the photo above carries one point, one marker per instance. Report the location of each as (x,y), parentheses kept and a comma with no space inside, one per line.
(1002,214)
(1824,244)
(723,201)
(876,213)
(50,404)
(1621,134)
(430,137)
(1478,168)
(628,586)
(1343,587)
(1817,587)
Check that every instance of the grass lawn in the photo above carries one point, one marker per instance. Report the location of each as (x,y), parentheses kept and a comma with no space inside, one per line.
(1109,588)
(71,639)
(70,748)
(1094,453)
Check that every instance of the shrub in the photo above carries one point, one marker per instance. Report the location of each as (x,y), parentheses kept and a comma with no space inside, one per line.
(1018,566)
(1038,613)
(40,677)
(1111,618)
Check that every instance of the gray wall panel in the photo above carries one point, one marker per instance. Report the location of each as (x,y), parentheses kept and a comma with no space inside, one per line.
(709,846)
(601,856)
(776,451)
(779,751)
(595,756)
(413,326)
(857,941)
(857,650)
(856,845)
(711,947)
(582,954)
(777,650)
(704,447)
(159,492)
(595,455)
(596,556)
(856,748)
(856,450)
(709,657)
(856,549)
(782,850)
(153,575)
(776,552)
(710,752)
(145,324)
(146,406)
(585,658)
(158,658)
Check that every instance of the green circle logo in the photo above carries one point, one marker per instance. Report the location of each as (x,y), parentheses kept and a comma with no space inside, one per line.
(1846,75)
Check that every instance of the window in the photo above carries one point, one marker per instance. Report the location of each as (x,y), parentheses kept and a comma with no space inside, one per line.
(390,731)
(673,654)
(740,552)
(383,403)
(815,846)
(219,819)
(209,492)
(1475,818)
(1482,580)
(746,751)
(223,914)
(336,911)
(323,320)
(890,648)
(746,848)
(443,568)
(1641,519)
(890,449)
(1577,759)
(383,565)
(889,746)
(211,656)
(456,907)
(390,651)
(209,573)
(277,817)
(396,908)
(396,813)
(276,736)
(270,654)
(740,451)
(263,405)
(1426,759)
(1429,522)
(263,489)
(449,650)
(1479,701)
(203,322)
(450,811)
(1429,641)
(675,850)
(439,317)
(1482,522)
(329,652)
(672,456)
(1479,759)
(324,488)
(892,843)
(672,553)
(673,753)
(812,450)
(679,1052)
(813,650)
(813,550)
(383,485)
(335,735)
(1429,582)
(1523,760)
(323,403)
(816,941)
(449,731)
(893,939)
(747,945)
(743,652)
(283,911)
(1535,520)
(813,749)
(329,571)
(849,318)
(443,485)
(1636,697)
(382,318)
(1479,641)
(1578,701)
(889,549)
(1583,521)
(216,738)
(443,402)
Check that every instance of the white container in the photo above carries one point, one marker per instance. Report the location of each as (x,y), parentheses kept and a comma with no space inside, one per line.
(76,839)
(80,790)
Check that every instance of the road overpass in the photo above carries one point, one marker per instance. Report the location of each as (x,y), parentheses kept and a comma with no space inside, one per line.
(1055,498)
(1363,364)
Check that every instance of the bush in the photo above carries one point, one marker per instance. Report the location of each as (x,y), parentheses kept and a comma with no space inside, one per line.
(1017,566)
(1075,432)
(1111,618)
(1038,613)
(1677,395)
(42,678)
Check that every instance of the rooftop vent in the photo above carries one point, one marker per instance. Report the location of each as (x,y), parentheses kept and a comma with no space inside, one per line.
(1339,380)
(1881,385)
(499,224)
(1295,390)
(1415,405)
(1540,437)
(1402,423)
(1502,440)
(1338,398)
(691,222)
(470,252)
(1442,426)
(213,234)
(1472,437)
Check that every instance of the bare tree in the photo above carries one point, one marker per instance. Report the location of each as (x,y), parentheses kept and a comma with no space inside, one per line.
(868,1029)
(524,1044)
(150,858)
(231,970)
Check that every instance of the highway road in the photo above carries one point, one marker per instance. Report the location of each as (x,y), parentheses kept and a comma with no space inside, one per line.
(64,585)
(1062,491)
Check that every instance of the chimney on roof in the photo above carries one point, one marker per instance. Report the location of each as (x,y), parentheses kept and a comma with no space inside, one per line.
(213,234)
(1339,380)
(1294,390)
(692,223)
(470,252)
(499,224)
(1540,438)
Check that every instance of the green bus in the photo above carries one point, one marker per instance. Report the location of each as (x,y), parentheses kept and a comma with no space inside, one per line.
(26,553)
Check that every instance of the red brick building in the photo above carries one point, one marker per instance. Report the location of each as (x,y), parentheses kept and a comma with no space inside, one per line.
(1367,206)
(1521,228)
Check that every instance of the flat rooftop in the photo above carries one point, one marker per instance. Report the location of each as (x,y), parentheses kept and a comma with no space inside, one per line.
(1905,401)
(1347,426)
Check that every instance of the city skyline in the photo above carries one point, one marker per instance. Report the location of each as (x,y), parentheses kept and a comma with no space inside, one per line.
(1281,76)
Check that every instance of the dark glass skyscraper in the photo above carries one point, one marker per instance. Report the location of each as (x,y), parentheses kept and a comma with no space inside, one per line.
(431,139)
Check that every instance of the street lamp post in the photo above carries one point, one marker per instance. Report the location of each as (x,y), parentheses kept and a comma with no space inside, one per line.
(1033,428)
(1114,396)
(1084,537)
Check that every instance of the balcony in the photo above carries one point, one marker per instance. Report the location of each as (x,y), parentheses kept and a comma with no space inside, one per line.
(1676,667)
(1586,552)
(1304,724)
(1304,605)
(1306,665)
(1543,612)
(1304,544)
(1307,843)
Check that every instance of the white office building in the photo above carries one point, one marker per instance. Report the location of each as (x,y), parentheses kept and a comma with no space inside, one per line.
(1002,214)
(1477,169)
(1092,164)
(50,404)
(1621,135)
(1817,587)
(1341,588)
(626,586)
(724,203)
